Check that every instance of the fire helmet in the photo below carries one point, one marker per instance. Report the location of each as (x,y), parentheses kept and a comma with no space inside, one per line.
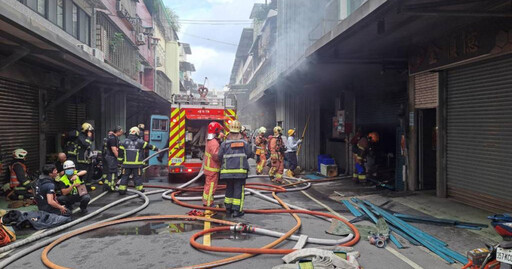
(87,127)
(68,165)
(278,130)
(374,137)
(262,130)
(19,154)
(291,132)
(135,131)
(235,126)
(214,129)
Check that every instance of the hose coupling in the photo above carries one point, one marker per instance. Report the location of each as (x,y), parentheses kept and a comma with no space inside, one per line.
(242,228)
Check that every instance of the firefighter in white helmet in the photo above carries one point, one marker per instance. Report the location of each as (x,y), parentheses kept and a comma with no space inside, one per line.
(261,149)
(19,180)
(277,148)
(131,153)
(69,185)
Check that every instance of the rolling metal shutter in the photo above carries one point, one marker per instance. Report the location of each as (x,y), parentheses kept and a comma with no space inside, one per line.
(479,134)
(19,122)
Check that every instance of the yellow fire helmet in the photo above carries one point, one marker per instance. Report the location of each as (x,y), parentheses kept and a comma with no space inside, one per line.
(87,127)
(134,131)
(291,132)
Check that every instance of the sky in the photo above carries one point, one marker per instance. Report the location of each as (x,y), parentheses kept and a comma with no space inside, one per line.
(212,59)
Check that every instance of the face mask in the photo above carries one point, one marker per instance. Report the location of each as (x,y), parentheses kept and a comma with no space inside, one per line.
(69,172)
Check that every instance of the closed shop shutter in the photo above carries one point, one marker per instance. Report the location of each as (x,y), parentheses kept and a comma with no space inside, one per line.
(380,109)
(19,122)
(479,132)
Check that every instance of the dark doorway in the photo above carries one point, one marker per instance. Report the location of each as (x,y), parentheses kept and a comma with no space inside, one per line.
(427,142)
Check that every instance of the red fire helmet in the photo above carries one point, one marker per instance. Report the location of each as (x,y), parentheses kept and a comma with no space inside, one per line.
(214,128)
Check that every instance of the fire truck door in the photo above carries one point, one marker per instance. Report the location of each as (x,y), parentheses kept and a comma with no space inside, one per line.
(159,136)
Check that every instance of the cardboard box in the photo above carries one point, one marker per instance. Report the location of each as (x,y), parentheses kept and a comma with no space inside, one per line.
(329,170)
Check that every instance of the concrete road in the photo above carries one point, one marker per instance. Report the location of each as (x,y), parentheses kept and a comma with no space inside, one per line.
(166,244)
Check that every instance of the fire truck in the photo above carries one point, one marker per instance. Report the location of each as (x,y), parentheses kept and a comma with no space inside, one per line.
(185,131)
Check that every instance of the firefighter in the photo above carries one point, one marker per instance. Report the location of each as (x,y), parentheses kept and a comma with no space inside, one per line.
(277,148)
(131,154)
(68,184)
(261,149)
(104,175)
(362,150)
(84,142)
(234,153)
(291,152)
(71,145)
(19,180)
(110,167)
(211,163)
(243,132)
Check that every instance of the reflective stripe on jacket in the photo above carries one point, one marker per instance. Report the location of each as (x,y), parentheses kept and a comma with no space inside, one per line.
(14,181)
(64,179)
(234,155)
(131,151)
(211,161)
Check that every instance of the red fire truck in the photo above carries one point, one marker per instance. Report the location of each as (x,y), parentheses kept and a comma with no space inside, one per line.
(190,116)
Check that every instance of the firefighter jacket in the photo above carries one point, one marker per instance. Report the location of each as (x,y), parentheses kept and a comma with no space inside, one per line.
(362,148)
(131,151)
(234,155)
(84,148)
(277,147)
(71,146)
(19,177)
(211,164)
(261,144)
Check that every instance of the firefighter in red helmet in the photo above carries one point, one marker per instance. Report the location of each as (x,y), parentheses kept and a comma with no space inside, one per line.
(211,163)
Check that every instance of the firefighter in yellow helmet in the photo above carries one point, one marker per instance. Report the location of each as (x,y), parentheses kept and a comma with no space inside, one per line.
(131,153)
(277,148)
(291,152)
(83,161)
(360,153)
(233,154)
(261,149)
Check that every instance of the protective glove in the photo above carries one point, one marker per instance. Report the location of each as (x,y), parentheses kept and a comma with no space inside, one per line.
(6,187)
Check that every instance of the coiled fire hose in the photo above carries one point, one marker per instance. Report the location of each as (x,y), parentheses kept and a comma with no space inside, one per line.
(249,252)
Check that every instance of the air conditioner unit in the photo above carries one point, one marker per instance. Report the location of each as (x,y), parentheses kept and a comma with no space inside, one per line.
(141,39)
(119,6)
(148,30)
(98,54)
(85,48)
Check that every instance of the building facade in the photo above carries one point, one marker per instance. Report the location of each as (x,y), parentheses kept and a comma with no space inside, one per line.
(431,79)
(66,62)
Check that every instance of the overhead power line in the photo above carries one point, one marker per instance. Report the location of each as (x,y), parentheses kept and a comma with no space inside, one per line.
(248,21)
(212,40)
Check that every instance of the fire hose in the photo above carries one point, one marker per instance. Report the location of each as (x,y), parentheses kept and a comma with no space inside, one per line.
(349,240)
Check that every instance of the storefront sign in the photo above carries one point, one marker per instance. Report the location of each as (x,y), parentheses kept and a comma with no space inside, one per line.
(460,45)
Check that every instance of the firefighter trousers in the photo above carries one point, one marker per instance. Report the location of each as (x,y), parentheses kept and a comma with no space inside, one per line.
(110,172)
(359,169)
(210,186)
(277,168)
(235,189)
(137,178)
(262,161)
